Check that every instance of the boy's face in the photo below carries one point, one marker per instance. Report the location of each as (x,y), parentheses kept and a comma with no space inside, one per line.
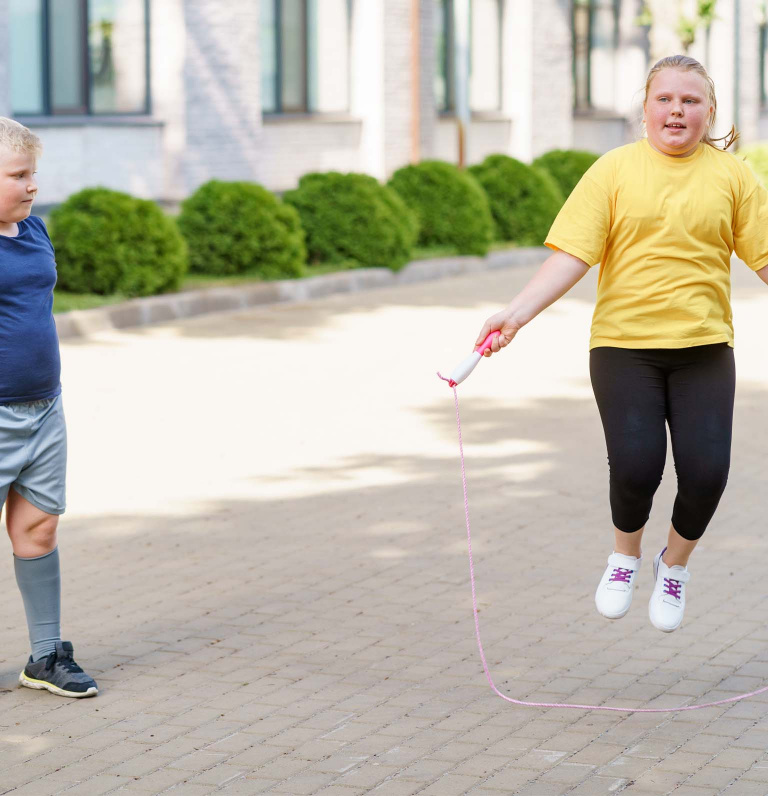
(17,185)
(677,111)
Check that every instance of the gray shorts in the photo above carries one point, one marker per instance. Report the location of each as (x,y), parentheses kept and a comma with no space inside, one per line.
(33,453)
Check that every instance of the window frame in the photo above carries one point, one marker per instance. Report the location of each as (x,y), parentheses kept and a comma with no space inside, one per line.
(448,65)
(590,6)
(279,109)
(85,110)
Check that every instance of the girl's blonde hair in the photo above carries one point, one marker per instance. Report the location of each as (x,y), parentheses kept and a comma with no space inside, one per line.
(687,64)
(17,138)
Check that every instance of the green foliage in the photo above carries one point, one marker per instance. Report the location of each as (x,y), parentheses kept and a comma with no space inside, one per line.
(352,217)
(757,156)
(524,200)
(567,166)
(109,242)
(241,227)
(450,205)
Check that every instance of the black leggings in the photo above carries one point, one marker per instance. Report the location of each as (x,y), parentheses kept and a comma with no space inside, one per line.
(637,391)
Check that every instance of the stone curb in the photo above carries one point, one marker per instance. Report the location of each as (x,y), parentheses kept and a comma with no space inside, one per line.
(171,306)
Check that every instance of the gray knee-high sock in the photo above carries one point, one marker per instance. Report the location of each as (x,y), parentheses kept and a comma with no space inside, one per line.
(39,582)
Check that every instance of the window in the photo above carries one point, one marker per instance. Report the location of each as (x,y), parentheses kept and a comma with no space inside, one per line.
(79,57)
(304,56)
(445,95)
(595,42)
(484,55)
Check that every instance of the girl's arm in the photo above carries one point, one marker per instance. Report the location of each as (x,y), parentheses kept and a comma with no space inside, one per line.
(763,274)
(557,275)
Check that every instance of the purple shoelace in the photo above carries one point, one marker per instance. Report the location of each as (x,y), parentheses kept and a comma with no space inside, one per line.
(672,587)
(620,575)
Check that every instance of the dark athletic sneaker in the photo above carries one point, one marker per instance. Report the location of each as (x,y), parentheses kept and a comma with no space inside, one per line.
(59,673)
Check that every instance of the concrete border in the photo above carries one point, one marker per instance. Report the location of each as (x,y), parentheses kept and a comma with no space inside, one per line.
(171,306)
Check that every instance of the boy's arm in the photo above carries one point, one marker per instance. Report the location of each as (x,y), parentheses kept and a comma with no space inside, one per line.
(557,275)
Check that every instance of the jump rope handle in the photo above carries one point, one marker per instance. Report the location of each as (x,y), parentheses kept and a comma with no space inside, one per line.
(466,366)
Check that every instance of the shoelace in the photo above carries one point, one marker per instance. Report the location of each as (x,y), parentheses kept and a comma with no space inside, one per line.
(621,575)
(66,661)
(672,587)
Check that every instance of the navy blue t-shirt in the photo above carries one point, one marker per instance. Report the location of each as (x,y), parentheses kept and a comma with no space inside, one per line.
(30,366)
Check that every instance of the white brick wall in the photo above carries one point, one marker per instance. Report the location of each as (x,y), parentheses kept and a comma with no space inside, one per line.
(294,148)
(5,83)
(122,157)
(552,98)
(221,89)
(485,137)
(427,67)
(749,94)
(397,84)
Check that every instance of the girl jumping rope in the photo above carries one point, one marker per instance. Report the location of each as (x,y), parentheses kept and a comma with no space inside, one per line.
(662,217)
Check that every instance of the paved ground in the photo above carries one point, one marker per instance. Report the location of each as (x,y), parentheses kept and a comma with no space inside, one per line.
(265,566)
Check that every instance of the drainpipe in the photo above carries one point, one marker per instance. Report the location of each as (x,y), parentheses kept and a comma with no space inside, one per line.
(415,83)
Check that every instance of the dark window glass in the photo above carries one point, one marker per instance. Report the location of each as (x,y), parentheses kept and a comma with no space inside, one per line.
(293,29)
(66,34)
(444,50)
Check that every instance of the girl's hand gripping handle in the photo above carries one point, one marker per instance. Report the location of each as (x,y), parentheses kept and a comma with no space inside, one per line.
(464,368)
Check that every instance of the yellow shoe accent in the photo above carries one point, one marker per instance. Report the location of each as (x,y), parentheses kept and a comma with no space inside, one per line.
(30,682)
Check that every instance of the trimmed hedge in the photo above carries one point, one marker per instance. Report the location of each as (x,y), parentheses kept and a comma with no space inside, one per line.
(757,157)
(524,200)
(109,242)
(450,204)
(354,219)
(241,227)
(567,166)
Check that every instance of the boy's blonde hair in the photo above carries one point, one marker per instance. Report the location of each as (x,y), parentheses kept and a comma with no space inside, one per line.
(687,64)
(17,138)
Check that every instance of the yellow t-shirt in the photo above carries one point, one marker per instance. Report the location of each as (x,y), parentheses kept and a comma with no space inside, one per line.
(663,230)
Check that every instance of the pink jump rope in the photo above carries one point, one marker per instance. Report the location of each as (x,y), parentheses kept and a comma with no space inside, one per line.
(459,373)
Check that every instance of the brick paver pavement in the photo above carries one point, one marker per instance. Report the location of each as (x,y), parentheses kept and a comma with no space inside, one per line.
(265,566)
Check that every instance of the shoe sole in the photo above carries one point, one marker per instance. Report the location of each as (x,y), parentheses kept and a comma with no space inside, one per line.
(614,616)
(655,576)
(42,685)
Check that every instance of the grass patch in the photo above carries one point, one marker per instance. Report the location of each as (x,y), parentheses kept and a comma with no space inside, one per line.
(65,302)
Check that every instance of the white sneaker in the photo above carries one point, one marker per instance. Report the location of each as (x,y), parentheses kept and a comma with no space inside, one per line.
(667,604)
(614,593)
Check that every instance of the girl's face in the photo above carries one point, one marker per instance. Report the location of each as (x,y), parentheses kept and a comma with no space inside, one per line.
(677,112)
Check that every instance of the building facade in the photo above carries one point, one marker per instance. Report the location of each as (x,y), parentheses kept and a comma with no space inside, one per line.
(154,97)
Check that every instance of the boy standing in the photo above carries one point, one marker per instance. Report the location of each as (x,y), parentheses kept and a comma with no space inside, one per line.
(33,437)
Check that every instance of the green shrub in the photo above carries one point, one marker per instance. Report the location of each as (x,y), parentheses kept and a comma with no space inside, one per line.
(567,166)
(450,205)
(352,217)
(241,227)
(109,242)
(524,200)
(757,157)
